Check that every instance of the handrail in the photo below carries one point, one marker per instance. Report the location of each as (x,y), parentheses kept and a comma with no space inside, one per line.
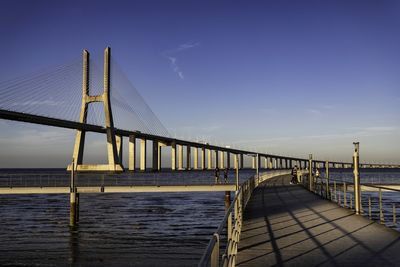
(334,197)
(232,221)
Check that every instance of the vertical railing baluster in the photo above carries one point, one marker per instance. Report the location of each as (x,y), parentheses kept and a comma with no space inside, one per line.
(381,217)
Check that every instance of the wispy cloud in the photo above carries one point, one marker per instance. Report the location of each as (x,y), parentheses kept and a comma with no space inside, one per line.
(171,56)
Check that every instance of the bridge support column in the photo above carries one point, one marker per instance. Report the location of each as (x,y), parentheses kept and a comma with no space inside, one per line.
(228,160)
(119,142)
(357,189)
(74,199)
(196,158)
(132,153)
(216,158)
(235,163)
(241,161)
(114,161)
(180,157)
(265,163)
(209,159)
(222,160)
(157,155)
(143,152)
(188,158)
(203,158)
(253,162)
(173,156)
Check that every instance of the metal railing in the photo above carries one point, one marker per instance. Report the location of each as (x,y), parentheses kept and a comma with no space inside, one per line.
(342,193)
(221,252)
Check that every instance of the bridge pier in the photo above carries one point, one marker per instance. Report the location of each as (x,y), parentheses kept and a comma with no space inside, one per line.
(188,157)
(173,156)
(253,162)
(195,158)
(143,151)
(241,161)
(216,158)
(222,160)
(209,159)
(228,160)
(73,199)
(180,157)
(131,153)
(203,158)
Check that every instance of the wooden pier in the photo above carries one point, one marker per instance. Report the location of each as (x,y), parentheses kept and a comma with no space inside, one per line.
(286,225)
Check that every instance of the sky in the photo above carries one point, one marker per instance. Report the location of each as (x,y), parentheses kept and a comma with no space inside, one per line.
(281,77)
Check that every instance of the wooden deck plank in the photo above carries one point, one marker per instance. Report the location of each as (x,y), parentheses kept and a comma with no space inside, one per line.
(285,225)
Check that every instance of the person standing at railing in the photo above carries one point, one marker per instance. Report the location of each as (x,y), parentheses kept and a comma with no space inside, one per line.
(226,175)
(294,175)
(216,175)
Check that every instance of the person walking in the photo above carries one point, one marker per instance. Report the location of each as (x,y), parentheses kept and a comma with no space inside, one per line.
(226,175)
(217,175)
(294,175)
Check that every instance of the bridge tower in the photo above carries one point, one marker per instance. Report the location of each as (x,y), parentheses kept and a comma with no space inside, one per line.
(114,143)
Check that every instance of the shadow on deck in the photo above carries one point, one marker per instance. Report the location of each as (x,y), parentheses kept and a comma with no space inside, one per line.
(286,225)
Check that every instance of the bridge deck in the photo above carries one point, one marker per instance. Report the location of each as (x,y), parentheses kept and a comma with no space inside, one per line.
(285,225)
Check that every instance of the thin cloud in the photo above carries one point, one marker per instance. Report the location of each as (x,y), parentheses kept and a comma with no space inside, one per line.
(171,56)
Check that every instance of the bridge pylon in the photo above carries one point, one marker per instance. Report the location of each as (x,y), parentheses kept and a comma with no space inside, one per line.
(114,143)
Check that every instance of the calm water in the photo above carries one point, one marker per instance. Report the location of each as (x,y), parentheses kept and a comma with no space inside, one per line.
(146,229)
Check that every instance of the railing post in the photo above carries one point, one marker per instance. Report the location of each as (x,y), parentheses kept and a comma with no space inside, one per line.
(381,217)
(327,178)
(310,182)
(237,172)
(335,191)
(394,214)
(215,252)
(357,191)
(344,194)
(369,208)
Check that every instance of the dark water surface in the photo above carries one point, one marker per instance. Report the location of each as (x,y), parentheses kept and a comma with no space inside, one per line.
(133,229)
(143,229)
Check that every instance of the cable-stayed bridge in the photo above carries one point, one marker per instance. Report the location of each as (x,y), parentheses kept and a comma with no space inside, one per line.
(88,97)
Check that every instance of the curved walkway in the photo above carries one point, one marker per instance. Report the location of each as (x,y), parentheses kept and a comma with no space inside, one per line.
(286,225)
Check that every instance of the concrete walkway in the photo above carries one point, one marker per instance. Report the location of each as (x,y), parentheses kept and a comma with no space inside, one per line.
(285,225)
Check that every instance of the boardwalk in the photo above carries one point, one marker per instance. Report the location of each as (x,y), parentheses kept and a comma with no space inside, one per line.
(285,225)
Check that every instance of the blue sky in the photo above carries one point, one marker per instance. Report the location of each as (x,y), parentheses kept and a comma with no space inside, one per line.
(287,77)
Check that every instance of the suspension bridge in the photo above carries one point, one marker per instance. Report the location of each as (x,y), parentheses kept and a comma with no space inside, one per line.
(82,96)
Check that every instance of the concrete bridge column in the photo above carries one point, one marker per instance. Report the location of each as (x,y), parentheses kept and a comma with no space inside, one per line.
(216,158)
(196,158)
(173,156)
(228,160)
(241,161)
(222,160)
(119,142)
(188,157)
(180,157)
(209,159)
(155,156)
(253,162)
(265,163)
(235,163)
(203,158)
(143,154)
(131,153)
